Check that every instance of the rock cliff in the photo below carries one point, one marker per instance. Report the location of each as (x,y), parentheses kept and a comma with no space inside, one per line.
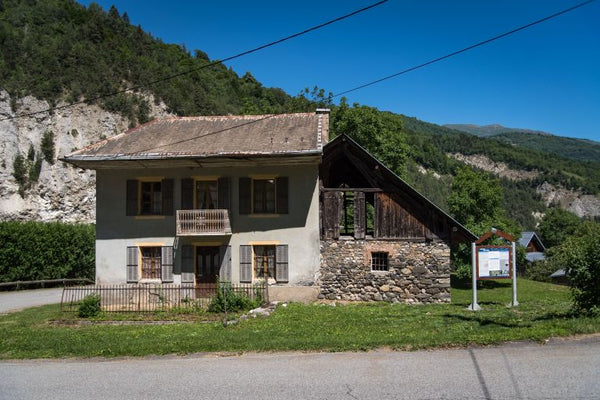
(62,192)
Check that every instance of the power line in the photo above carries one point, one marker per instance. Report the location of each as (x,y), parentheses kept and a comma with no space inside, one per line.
(213,63)
(539,21)
(398,73)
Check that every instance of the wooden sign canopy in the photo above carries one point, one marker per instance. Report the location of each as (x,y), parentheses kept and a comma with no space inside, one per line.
(495,232)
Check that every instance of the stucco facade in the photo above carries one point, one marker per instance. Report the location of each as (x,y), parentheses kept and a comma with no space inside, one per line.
(298,228)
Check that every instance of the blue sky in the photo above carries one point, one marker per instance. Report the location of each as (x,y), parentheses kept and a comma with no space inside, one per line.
(545,78)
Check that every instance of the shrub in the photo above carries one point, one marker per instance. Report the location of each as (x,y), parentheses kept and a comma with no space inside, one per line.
(228,300)
(48,146)
(37,250)
(89,306)
(581,255)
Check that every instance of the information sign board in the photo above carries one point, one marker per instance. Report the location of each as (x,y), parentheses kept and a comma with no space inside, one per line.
(493,262)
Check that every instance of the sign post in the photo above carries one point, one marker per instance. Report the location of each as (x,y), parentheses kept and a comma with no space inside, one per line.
(494,262)
(474,306)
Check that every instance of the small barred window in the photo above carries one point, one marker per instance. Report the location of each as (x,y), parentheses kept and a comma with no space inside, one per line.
(379,261)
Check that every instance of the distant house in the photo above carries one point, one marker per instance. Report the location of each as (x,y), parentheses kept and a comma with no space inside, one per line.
(263,198)
(533,246)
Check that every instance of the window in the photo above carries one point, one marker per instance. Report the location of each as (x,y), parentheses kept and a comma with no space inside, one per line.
(206,195)
(264,261)
(156,263)
(264,196)
(151,262)
(379,261)
(151,198)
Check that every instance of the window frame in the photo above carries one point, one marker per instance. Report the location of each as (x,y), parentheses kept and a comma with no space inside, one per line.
(156,261)
(270,188)
(380,261)
(156,197)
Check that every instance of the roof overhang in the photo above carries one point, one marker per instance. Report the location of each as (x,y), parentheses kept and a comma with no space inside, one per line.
(121,161)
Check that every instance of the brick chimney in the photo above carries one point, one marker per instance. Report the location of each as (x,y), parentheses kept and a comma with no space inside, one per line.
(323,114)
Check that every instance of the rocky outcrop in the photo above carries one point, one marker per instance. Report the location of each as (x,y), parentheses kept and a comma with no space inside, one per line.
(584,205)
(62,192)
(497,168)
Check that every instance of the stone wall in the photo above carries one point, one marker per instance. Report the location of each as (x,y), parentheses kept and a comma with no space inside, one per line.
(418,272)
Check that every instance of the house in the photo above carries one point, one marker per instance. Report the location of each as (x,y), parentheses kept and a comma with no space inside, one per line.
(380,238)
(533,245)
(250,198)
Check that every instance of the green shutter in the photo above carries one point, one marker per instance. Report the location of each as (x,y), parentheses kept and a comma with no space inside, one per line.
(245,195)
(167,196)
(225,257)
(187,194)
(223,196)
(245,263)
(281,263)
(132,197)
(166,261)
(187,264)
(132,264)
(281,186)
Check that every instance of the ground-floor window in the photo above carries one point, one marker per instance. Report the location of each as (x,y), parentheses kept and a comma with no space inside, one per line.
(379,261)
(151,262)
(264,261)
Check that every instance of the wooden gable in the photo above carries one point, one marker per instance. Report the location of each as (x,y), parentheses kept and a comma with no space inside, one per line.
(382,205)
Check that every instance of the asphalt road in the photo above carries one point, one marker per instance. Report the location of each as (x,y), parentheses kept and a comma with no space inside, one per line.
(560,369)
(20,299)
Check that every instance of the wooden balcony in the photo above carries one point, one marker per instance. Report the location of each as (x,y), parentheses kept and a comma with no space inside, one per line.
(203,222)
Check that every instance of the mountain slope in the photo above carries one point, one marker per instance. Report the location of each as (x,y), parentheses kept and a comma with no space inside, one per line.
(571,148)
(55,52)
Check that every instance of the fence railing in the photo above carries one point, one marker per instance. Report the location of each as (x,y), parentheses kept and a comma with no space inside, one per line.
(152,297)
(203,222)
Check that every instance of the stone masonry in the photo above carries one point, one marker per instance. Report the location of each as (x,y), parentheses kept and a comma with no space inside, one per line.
(419,272)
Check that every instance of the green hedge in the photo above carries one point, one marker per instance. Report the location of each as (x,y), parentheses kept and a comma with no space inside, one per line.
(36,250)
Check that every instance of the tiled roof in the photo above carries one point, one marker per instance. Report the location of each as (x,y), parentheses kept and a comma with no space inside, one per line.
(211,136)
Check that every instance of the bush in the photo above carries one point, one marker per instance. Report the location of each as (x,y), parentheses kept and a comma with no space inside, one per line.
(36,250)
(228,300)
(581,255)
(48,146)
(89,306)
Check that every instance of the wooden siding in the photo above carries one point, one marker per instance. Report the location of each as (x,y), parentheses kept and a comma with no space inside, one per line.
(394,221)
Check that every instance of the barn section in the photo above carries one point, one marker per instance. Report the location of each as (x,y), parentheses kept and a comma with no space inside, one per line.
(381,240)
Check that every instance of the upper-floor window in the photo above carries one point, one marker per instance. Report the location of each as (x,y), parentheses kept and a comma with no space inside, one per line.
(207,195)
(263,195)
(149,196)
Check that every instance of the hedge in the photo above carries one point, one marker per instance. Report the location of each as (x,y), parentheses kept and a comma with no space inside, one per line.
(37,250)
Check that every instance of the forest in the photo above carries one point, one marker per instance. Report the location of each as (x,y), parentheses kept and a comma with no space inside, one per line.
(63,52)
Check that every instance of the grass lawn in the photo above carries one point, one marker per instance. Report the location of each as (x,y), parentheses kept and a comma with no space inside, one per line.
(544,311)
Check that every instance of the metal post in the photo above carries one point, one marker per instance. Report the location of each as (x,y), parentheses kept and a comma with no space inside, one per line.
(514,302)
(474,306)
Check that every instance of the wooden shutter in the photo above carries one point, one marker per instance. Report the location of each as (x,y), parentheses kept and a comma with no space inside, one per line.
(187,264)
(359,215)
(132,197)
(333,207)
(187,194)
(223,196)
(166,261)
(225,256)
(245,263)
(132,264)
(167,196)
(245,195)
(281,186)
(281,263)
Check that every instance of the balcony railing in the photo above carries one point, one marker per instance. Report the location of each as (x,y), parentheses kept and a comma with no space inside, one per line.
(203,222)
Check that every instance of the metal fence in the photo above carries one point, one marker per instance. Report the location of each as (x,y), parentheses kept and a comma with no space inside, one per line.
(157,297)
